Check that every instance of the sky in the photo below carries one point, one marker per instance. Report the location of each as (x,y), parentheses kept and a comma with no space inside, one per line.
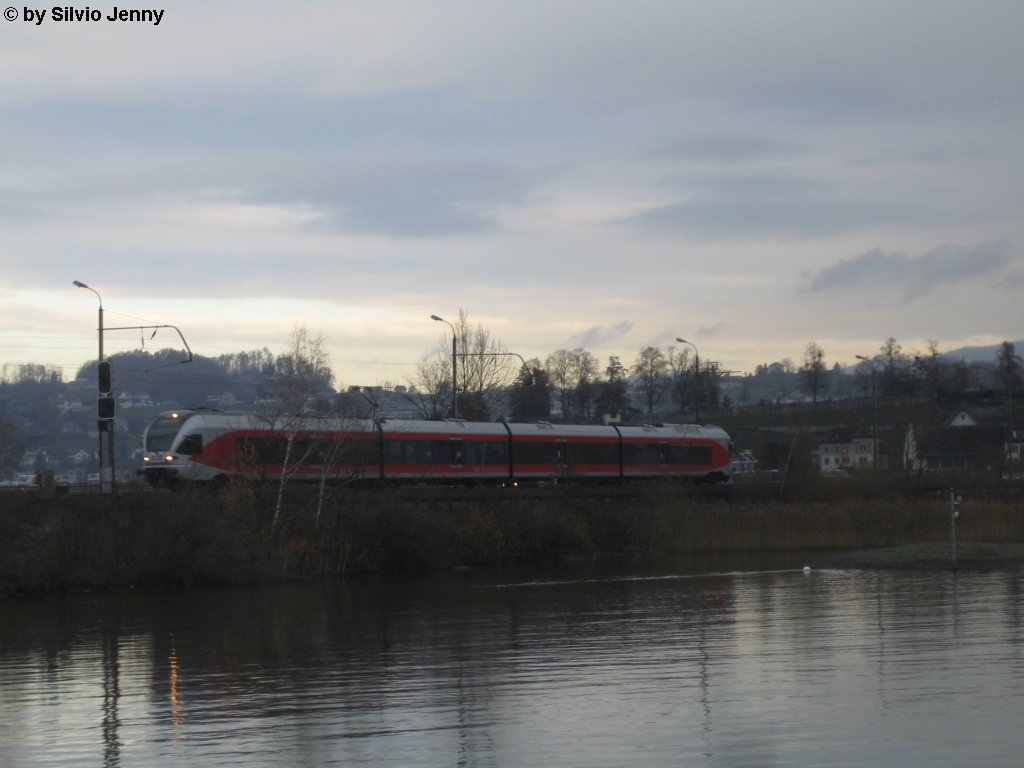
(749,176)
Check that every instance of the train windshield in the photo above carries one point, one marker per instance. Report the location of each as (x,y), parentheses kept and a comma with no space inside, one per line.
(161,432)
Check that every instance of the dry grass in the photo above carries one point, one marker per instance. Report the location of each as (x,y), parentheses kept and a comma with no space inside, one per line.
(201,537)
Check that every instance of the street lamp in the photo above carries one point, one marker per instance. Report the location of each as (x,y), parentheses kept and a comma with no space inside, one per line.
(103,425)
(874,407)
(696,376)
(455,365)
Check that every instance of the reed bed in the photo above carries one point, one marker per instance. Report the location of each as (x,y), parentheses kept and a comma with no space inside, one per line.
(244,535)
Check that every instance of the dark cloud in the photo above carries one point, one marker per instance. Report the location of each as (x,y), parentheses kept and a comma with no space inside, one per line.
(600,334)
(711,331)
(405,199)
(914,275)
(766,206)
(390,196)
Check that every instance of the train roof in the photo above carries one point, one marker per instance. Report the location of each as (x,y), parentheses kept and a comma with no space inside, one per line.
(200,418)
(449,427)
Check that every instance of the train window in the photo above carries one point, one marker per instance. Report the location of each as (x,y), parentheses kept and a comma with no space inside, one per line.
(261,451)
(473,453)
(596,453)
(399,451)
(310,450)
(497,453)
(245,452)
(161,433)
(191,445)
(492,452)
(693,454)
(420,451)
(361,453)
(269,450)
(631,453)
(641,453)
(442,452)
(535,453)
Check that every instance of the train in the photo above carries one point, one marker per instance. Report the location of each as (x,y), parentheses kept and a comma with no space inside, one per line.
(204,446)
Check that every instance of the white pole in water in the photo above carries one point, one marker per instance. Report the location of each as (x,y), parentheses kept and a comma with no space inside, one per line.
(953,514)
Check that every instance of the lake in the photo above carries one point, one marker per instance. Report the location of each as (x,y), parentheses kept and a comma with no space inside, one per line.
(687,662)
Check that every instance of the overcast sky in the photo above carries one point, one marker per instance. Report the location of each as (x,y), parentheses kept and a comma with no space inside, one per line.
(750,176)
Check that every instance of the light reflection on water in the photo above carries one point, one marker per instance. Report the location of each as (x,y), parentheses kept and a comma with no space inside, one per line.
(684,663)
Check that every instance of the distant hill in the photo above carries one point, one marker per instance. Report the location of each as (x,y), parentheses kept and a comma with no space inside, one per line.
(979,354)
(986,354)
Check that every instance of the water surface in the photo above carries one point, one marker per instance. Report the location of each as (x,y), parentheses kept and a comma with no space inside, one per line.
(687,663)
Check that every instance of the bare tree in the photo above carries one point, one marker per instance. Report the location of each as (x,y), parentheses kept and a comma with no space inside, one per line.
(573,375)
(931,370)
(652,368)
(434,388)
(895,369)
(585,371)
(484,366)
(486,369)
(813,372)
(684,376)
(559,367)
(298,391)
(302,379)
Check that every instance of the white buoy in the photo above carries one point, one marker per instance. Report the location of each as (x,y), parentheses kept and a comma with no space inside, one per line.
(807,569)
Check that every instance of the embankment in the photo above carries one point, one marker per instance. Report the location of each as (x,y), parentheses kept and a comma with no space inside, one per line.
(243,534)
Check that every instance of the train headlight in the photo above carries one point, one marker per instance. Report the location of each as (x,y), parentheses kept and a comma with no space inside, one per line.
(169,458)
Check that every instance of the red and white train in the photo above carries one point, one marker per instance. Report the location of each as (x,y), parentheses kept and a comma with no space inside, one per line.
(210,446)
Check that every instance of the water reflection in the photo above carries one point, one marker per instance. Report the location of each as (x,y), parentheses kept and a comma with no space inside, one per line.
(680,663)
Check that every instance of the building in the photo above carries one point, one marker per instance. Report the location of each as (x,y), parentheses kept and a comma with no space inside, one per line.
(960,443)
(841,449)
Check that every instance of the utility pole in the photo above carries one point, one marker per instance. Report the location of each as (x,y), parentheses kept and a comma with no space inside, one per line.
(696,377)
(104,402)
(455,364)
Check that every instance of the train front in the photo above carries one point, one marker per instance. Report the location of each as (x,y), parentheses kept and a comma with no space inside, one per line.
(167,450)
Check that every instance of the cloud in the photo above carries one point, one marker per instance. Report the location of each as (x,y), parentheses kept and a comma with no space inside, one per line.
(711,331)
(765,205)
(722,147)
(598,335)
(915,276)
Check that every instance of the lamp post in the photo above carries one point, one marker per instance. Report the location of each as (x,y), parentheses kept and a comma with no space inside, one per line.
(455,365)
(696,376)
(103,425)
(874,408)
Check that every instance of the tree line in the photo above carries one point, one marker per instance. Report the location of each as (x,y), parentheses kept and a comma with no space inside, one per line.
(572,385)
(569,384)
(492,382)
(893,373)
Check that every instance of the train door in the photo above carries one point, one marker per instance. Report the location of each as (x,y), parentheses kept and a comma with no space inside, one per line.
(455,455)
(561,456)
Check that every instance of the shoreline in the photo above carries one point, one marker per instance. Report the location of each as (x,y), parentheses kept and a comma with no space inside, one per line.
(930,556)
(246,534)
